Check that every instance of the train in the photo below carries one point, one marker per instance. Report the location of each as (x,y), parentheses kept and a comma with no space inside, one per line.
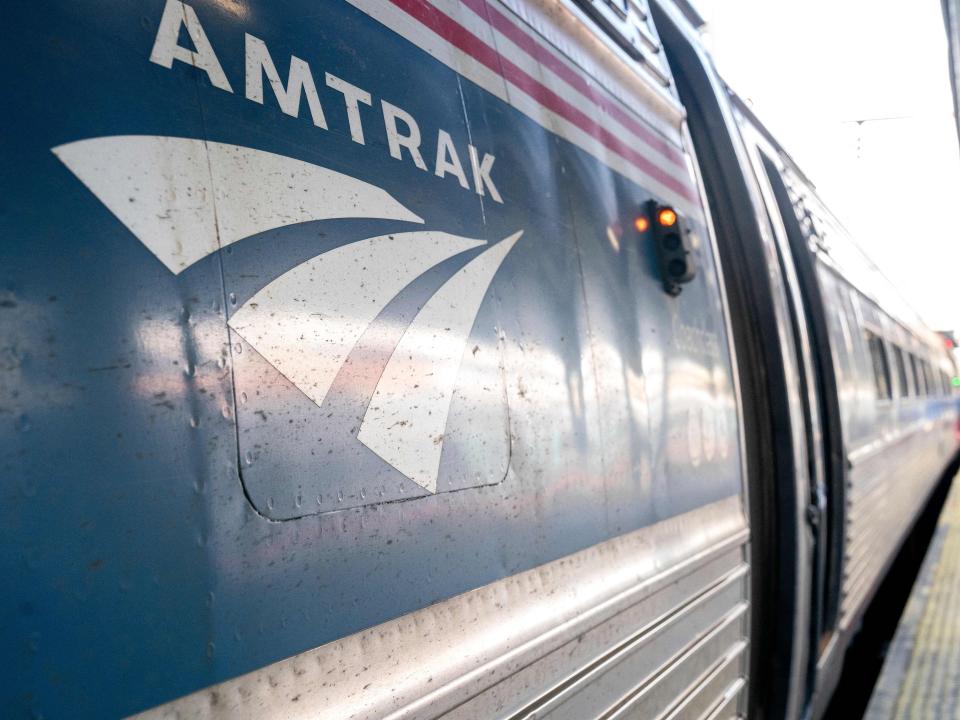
(433,359)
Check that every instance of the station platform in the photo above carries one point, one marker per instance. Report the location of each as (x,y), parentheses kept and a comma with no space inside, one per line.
(920,679)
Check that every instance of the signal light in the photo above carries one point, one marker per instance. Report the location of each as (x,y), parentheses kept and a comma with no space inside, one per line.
(667,217)
(672,243)
(955,382)
(641,224)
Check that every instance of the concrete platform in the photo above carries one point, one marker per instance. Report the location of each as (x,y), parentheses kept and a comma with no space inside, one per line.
(920,679)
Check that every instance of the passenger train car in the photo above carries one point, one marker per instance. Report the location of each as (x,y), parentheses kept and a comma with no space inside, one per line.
(432,359)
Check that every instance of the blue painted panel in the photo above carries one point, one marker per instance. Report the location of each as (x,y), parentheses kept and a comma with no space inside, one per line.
(137,562)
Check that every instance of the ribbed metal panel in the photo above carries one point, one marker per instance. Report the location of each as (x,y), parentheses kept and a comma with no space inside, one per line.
(664,658)
(651,624)
(887,489)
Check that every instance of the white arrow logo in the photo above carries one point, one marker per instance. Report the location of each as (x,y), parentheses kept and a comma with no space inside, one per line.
(185,199)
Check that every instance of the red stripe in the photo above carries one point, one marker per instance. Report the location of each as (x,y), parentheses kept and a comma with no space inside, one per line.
(574,79)
(463,39)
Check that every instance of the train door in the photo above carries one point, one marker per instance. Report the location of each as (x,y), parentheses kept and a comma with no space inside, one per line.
(772,371)
(822,412)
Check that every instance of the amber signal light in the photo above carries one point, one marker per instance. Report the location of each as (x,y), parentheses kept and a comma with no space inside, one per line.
(667,217)
(673,244)
(641,224)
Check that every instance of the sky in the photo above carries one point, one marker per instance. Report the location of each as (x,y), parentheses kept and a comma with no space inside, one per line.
(859,94)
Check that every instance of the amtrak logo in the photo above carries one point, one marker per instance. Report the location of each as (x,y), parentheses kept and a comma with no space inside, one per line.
(185,199)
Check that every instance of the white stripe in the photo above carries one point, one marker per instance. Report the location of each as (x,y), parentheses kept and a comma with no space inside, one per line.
(608,157)
(451,56)
(389,15)
(606,85)
(407,416)
(567,37)
(185,198)
(667,133)
(307,321)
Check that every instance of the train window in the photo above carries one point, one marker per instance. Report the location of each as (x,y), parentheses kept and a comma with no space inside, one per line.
(904,388)
(917,375)
(927,376)
(881,368)
(841,342)
(850,302)
(845,311)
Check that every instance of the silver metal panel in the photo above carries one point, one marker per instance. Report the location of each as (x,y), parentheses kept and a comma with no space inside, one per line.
(673,695)
(712,690)
(661,659)
(642,591)
(731,703)
(889,482)
(568,666)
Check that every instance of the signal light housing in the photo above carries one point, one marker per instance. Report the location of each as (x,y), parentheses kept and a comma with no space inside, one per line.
(673,244)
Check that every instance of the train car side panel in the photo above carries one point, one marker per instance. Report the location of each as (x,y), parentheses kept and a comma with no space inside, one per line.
(324,318)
